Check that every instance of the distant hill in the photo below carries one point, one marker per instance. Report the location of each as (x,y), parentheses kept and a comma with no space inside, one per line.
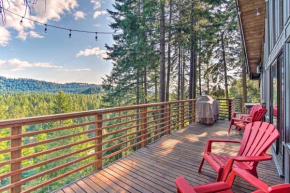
(93,90)
(31,85)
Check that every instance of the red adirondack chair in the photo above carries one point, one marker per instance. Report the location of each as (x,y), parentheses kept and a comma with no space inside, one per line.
(225,187)
(247,116)
(241,123)
(257,138)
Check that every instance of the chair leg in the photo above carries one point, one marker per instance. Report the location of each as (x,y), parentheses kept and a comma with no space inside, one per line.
(229,131)
(254,172)
(199,169)
(219,176)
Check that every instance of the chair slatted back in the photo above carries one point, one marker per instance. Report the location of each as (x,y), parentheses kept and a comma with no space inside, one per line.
(258,115)
(254,109)
(257,138)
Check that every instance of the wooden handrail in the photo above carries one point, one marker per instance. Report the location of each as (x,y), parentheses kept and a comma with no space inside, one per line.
(64,116)
(93,139)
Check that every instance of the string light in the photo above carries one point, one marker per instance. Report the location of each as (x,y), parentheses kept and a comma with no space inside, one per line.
(58,27)
(21,21)
(258,12)
(45,29)
(69,33)
(96,36)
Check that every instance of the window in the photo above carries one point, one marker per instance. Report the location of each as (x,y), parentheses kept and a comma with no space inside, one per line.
(278,18)
(281,24)
(286,10)
(287,72)
(271,24)
(275,16)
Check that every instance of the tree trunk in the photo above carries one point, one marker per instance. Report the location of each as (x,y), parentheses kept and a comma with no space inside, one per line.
(155,85)
(225,67)
(183,77)
(162,53)
(145,85)
(179,72)
(207,80)
(192,70)
(199,68)
(169,52)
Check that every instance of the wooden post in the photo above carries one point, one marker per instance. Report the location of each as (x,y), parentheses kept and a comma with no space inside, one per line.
(168,119)
(14,155)
(144,126)
(241,106)
(182,114)
(193,111)
(230,108)
(99,125)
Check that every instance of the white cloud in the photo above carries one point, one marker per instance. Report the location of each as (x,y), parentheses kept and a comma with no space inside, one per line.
(93,51)
(73,70)
(16,65)
(97,4)
(98,13)
(22,35)
(54,10)
(32,34)
(79,15)
(4,36)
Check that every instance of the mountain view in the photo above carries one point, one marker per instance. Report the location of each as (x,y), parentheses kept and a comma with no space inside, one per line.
(34,86)
(30,85)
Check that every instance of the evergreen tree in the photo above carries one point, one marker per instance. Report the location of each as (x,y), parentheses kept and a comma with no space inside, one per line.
(61,104)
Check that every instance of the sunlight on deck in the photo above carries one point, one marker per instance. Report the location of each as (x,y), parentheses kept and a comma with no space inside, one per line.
(155,167)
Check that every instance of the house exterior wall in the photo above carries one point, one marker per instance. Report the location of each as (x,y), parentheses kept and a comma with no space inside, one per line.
(277,41)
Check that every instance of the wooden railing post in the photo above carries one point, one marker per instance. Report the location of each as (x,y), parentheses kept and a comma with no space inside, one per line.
(230,108)
(182,114)
(233,106)
(168,119)
(99,132)
(193,111)
(144,126)
(14,155)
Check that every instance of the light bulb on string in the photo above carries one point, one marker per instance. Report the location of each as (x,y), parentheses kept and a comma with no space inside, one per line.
(258,12)
(45,29)
(21,21)
(96,38)
(239,12)
(69,33)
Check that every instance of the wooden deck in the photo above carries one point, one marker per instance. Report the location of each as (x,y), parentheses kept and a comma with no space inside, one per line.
(155,167)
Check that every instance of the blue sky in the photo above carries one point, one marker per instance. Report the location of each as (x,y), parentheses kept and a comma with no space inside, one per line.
(27,52)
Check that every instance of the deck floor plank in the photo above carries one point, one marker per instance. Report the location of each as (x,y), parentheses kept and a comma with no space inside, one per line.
(67,189)
(76,188)
(155,168)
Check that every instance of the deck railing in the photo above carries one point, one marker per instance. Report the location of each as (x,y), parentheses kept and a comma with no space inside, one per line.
(43,153)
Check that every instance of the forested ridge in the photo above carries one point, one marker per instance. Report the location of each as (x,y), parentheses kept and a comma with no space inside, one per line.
(31,85)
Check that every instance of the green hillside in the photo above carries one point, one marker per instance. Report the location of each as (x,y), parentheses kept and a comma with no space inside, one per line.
(31,85)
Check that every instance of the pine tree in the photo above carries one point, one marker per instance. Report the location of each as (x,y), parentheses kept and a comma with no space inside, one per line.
(61,104)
